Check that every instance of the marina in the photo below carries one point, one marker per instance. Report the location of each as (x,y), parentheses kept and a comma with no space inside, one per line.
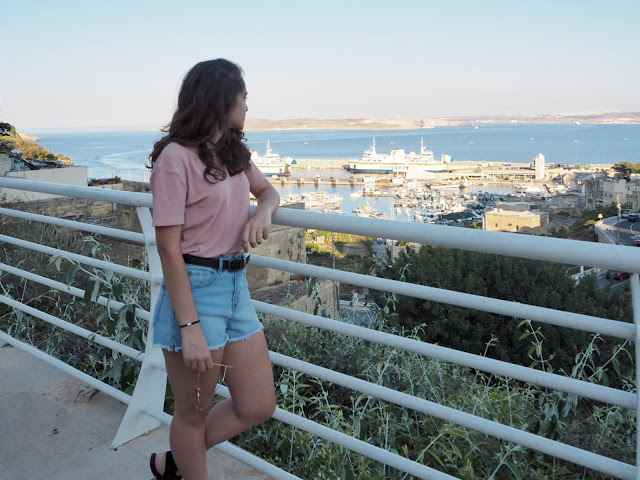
(416,188)
(413,200)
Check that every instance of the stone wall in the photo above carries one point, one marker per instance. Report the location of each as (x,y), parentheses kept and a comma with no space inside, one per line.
(327,292)
(284,243)
(96,213)
(294,294)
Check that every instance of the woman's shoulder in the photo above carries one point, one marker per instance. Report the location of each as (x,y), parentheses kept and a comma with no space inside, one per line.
(174,153)
(175,149)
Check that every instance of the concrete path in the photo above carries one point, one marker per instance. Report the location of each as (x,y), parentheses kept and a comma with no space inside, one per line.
(51,428)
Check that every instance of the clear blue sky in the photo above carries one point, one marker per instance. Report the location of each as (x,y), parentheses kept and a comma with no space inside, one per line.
(120,63)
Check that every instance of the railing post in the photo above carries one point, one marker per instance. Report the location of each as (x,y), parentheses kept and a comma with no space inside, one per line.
(151,385)
(634,281)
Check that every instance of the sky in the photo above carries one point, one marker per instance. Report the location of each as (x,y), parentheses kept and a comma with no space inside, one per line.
(74,63)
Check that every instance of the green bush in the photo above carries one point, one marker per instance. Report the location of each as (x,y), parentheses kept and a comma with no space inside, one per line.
(526,281)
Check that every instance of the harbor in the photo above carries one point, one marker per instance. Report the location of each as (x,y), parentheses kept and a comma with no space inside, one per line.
(459,200)
(418,187)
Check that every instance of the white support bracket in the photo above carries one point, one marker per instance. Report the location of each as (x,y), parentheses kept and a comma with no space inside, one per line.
(151,385)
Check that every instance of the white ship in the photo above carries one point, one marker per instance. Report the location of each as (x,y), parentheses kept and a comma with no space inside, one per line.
(397,162)
(271,164)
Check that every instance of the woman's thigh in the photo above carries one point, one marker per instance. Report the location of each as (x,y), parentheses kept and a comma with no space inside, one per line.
(250,376)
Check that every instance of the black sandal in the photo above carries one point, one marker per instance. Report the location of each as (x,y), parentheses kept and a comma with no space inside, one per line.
(170,468)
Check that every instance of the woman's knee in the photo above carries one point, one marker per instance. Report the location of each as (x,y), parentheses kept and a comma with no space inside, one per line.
(189,415)
(257,410)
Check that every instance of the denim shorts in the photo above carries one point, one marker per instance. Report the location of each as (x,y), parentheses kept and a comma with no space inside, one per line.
(223,304)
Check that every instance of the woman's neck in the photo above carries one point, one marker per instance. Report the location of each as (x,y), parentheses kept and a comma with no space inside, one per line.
(215,137)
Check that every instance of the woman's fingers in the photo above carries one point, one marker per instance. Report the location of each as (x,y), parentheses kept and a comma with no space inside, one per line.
(254,235)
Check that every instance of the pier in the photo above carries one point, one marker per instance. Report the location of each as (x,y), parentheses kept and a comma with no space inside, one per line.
(463,173)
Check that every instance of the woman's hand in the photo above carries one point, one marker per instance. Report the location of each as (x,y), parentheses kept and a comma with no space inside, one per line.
(195,350)
(257,229)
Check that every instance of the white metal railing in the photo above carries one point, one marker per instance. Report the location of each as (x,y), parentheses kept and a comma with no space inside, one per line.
(145,405)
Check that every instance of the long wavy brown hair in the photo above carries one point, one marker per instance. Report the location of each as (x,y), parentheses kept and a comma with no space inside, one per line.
(209,91)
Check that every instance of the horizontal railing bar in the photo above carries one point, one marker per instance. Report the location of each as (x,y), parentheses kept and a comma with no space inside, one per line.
(132,272)
(103,301)
(376,453)
(134,199)
(70,327)
(467,300)
(68,369)
(559,250)
(87,227)
(254,462)
(537,377)
(550,447)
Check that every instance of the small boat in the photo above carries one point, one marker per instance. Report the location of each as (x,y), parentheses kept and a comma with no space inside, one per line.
(271,164)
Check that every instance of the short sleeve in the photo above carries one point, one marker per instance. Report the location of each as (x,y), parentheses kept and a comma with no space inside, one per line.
(255,176)
(169,186)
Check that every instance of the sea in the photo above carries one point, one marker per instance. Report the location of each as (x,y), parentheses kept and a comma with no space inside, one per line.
(123,152)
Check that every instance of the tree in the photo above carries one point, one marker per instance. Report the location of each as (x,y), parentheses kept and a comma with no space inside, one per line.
(526,281)
(7,129)
(626,169)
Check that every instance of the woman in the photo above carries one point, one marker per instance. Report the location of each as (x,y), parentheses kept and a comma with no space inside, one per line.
(204,319)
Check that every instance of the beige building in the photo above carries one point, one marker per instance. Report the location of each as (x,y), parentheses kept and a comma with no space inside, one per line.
(619,189)
(505,220)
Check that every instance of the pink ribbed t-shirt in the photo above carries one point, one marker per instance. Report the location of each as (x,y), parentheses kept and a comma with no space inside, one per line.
(212,215)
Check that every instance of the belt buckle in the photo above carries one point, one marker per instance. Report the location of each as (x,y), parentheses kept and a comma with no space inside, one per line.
(236,264)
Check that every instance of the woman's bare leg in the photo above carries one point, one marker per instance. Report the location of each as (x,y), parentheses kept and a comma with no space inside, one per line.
(250,382)
(187,433)
(252,401)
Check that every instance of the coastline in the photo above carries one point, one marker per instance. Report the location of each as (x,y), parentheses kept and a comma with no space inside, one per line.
(602,118)
(263,124)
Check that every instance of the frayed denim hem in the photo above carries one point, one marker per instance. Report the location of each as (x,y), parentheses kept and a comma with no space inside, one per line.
(246,337)
(178,348)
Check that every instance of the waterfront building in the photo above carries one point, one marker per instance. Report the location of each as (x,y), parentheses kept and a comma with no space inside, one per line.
(504,219)
(538,163)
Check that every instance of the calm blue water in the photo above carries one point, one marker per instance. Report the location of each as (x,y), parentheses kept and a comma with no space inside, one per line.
(124,152)
(118,151)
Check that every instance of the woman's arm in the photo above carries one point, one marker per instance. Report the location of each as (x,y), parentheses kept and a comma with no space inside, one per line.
(259,225)
(194,345)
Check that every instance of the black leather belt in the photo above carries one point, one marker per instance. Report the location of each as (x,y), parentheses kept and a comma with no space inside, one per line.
(230,264)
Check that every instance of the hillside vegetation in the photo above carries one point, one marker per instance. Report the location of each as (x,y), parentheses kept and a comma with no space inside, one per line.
(10,140)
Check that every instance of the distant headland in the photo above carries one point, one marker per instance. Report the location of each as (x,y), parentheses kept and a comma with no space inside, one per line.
(252,124)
